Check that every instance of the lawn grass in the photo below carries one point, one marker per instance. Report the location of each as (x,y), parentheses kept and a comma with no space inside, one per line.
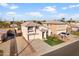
(53,41)
(75,33)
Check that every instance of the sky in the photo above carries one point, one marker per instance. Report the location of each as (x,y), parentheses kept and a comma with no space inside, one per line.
(38,11)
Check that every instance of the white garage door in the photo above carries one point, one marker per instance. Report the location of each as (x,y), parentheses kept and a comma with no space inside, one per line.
(31,37)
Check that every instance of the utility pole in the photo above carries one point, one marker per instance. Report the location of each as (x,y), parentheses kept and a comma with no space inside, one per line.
(16,53)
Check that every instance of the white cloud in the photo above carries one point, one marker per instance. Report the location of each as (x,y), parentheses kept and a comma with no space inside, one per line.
(13,7)
(34,14)
(11,13)
(10,6)
(77,5)
(64,8)
(61,15)
(70,6)
(50,9)
(4,4)
(74,16)
(68,16)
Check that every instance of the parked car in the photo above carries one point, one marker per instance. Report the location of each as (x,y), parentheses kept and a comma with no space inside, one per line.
(10,34)
(63,33)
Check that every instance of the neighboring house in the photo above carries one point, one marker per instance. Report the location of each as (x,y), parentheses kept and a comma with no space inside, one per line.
(14,25)
(3,35)
(56,27)
(31,30)
(74,26)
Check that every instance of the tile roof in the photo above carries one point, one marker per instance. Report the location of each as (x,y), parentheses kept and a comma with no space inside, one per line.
(30,24)
(55,22)
(2,32)
(33,24)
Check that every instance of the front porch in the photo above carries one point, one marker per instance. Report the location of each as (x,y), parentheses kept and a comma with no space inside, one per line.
(45,33)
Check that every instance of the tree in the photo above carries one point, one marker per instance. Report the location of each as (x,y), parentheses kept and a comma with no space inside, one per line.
(4,24)
(62,20)
(34,20)
(11,22)
(70,20)
(44,20)
(39,22)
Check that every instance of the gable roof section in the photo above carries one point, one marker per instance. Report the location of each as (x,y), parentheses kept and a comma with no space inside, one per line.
(27,24)
(30,24)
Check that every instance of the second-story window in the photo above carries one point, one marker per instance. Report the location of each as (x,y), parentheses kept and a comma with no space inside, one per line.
(37,27)
(30,29)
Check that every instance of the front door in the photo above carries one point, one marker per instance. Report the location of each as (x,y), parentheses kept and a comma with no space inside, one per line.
(46,34)
(42,34)
(31,37)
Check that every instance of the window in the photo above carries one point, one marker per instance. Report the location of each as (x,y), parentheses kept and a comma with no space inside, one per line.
(47,34)
(51,33)
(30,28)
(47,24)
(43,34)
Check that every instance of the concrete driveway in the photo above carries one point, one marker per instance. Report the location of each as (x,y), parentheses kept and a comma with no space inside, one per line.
(15,46)
(37,46)
(24,48)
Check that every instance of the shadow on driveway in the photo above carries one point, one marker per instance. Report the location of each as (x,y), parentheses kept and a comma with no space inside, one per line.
(13,47)
(1,52)
(27,48)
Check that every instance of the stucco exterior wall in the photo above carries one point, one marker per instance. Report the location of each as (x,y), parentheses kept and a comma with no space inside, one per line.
(57,28)
(24,32)
(36,34)
(53,28)
(75,29)
(39,34)
(61,28)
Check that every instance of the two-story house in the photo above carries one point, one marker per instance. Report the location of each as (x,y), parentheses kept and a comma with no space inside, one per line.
(31,30)
(56,27)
